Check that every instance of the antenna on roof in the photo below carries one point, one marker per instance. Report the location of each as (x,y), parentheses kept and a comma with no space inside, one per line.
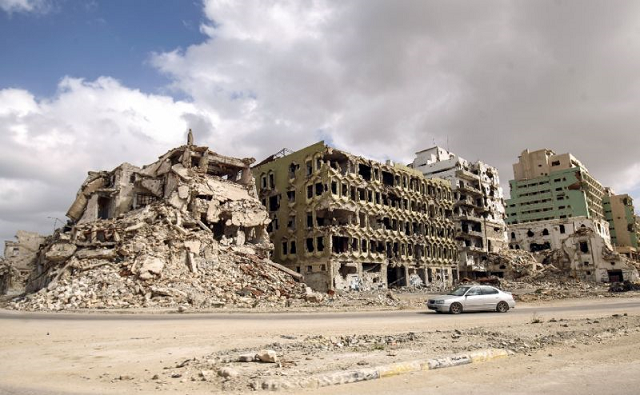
(448,143)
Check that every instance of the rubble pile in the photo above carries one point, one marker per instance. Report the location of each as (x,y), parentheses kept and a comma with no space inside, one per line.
(296,357)
(150,268)
(515,263)
(187,231)
(624,286)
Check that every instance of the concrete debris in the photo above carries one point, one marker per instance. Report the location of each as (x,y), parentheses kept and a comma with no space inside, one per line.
(185,231)
(625,286)
(267,356)
(228,372)
(327,357)
(251,357)
(579,247)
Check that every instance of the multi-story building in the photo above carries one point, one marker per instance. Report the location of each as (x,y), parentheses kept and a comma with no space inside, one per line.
(478,205)
(549,186)
(620,214)
(578,246)
(346,222)
(21,253)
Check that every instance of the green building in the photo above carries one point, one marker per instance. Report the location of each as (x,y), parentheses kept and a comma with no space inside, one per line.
(549,186)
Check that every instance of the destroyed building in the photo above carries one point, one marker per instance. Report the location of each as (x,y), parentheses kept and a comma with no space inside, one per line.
(345,222)
(21,252)
(19,260)
(549,186)
(579,246)
(620,213)
(185,230)
(478,206)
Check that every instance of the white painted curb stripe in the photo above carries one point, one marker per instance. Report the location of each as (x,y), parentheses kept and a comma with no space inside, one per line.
(354,376)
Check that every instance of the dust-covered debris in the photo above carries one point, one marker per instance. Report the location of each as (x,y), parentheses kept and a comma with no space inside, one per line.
(186,231)
(302,356)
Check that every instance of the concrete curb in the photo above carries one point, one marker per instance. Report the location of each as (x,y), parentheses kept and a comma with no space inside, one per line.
(354,376)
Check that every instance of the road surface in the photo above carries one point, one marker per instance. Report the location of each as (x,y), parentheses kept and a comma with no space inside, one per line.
(73,353)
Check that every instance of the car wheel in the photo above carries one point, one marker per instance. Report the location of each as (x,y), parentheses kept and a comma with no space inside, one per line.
(455,308)
(502,307)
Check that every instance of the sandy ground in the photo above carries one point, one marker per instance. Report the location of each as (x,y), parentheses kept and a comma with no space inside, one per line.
(89,354)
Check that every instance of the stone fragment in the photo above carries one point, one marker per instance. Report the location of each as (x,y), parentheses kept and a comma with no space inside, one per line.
(247,358)
(228,372)
(60,252)
(269,356)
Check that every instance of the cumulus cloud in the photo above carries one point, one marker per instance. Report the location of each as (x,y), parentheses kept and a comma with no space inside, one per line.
(48,145)
(25,6)
(377,78)
(386,79)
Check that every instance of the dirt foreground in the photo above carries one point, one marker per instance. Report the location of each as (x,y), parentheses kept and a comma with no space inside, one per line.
(194,354)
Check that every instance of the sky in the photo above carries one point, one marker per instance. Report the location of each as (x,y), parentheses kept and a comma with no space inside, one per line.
(87,85)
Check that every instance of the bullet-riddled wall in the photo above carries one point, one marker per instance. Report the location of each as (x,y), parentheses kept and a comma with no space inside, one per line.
(346,222)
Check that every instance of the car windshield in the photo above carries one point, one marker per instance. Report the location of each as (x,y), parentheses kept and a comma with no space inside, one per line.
(459,291)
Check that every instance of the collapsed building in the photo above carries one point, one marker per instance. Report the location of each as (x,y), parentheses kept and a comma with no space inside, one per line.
(346,222)
(22,251)
(185,230)
(19,260)
(478,209)
(580,247)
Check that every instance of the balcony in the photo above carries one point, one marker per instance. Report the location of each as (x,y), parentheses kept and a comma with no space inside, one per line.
(461,234)
(469,189)
(471,216)
(467,175)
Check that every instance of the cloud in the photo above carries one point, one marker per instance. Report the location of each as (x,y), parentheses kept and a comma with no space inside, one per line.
(48,145)
(377,78)
(384,80)
(26,6)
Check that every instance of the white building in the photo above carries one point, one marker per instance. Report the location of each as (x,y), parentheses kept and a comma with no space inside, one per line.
(479,205)
(578,245)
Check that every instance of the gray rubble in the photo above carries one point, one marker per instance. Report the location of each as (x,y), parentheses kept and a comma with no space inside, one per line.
(186,231)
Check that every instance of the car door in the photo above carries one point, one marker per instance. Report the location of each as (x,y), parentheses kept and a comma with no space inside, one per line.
(473,299)
(490,297)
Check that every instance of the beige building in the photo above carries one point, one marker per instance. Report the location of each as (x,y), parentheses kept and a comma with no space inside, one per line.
(21,253)
(541,163)
(620,213)
(346,222)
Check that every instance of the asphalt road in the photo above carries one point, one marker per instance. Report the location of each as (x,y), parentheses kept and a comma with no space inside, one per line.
(69,353)
(585,306)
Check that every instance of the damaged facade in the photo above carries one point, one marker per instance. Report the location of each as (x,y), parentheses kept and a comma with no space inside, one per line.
(578,246)
(478,206)
(620,213)
(21,252)
(19,260)
(187,229)
(346,222)
(549,186)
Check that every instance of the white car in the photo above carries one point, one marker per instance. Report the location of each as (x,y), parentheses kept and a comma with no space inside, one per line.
(472,298)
